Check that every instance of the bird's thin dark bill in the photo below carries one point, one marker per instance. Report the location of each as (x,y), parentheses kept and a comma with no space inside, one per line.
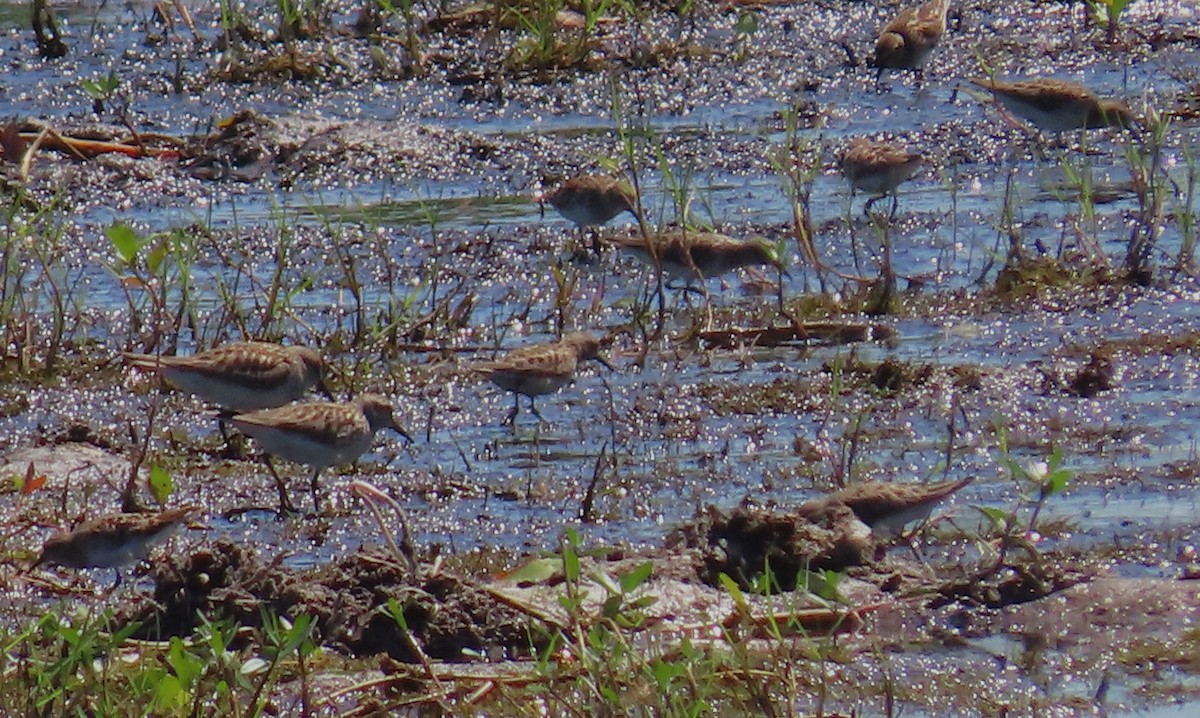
(324,390)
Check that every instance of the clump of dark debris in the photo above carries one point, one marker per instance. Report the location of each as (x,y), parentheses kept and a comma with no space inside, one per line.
(743,542)
(453,618)
(1007,585)
(1097,376)
(445,614)
(749,540)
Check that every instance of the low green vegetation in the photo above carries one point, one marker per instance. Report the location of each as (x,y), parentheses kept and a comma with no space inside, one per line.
(72,662)
(600,650)
(1109,13)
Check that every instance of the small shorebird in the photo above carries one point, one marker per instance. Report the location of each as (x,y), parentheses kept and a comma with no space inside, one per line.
(591,201)
(877,168)
(541,369)
(319,434)
(1058,105)
(111,541)
(908,40)
(690,256)
(241,376)
(887,507)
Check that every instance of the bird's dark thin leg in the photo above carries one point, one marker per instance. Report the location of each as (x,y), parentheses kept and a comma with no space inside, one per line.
(596,246)
(512,415)
(780,289)
(910,539)
(853,235)
(285,503)
(867,206)
(315,490)
(534,409)
(888,274)
(223,429)
(235,447)
(685,289)
(579,253)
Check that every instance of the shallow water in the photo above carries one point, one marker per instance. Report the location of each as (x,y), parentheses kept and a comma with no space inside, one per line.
(720,136)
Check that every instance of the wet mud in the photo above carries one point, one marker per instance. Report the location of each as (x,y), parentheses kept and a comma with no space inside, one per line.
(751,541)
(443,617)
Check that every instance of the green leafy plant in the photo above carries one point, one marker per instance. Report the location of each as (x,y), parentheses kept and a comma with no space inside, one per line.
(797,163)
(233,22)
(744,29)
(406,11)
(64,665)
(544,46)
(1037,482)
(84,663)
(608,664)
(1109,12)
(155,274)
(540,47)
(1145,159)
(161,485)
(299,19)
(101,90)
(1080,184)
(37,279)
(283,639)
(1185,216)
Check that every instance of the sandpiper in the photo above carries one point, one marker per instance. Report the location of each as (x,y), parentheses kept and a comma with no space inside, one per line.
(541,369)
(241,376)
(878,167)
(111,541)
(908,40)
(887,507)
(319,434)
(691,255)
(1054,105)
(592,200)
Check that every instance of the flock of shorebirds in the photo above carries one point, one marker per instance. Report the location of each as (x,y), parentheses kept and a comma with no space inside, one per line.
(259,389)
(1049,104)
(256,384)
(870,166)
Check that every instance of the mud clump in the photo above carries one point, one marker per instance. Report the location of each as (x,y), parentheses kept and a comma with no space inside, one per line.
(1100,374)
(1094,377)
(348,599)
(749,540)
(1027,276)
(894,376)
(1009,585)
